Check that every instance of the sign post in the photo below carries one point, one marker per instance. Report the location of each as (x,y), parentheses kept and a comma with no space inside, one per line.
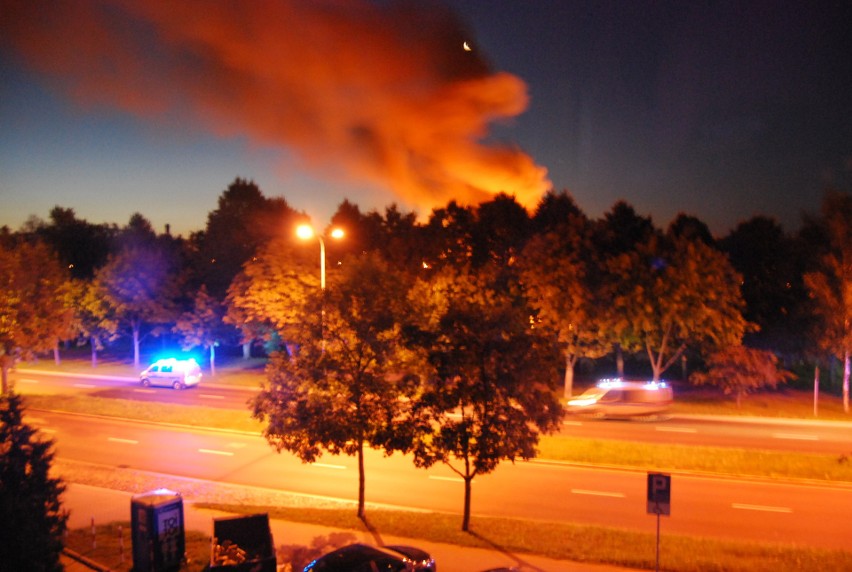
(659,501)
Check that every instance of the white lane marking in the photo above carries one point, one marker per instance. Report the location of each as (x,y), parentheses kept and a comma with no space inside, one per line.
(210,396)
(85,385)
(795,436)
(783,509)
(597,493)
(35,420)
(329,466)
(573,423)
(120,440)
(677,429)
(451,479)
(215,452)
(145,390)
(27,380)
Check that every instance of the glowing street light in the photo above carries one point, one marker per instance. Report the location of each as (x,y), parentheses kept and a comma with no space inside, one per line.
(306,232)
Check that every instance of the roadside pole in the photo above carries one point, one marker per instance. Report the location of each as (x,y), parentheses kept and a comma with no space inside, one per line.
(659,501)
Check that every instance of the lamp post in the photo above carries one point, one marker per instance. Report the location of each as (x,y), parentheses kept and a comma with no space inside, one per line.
(306,232)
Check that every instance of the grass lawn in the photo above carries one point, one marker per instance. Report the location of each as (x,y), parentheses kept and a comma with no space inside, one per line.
(592,544)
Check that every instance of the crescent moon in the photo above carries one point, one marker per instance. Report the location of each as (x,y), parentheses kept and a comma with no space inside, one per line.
(467,47)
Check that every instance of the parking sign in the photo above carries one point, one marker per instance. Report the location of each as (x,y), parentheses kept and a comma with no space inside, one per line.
(659,493)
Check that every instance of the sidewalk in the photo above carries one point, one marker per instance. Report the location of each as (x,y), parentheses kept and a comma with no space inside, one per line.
(106,505)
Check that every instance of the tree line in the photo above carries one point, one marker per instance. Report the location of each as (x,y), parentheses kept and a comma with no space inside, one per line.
(451,339)
(586,280)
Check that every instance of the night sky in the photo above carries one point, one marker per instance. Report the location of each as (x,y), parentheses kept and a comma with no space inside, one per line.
(721,110)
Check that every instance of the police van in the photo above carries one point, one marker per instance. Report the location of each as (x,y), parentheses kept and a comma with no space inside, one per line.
(619,398)
(171,372)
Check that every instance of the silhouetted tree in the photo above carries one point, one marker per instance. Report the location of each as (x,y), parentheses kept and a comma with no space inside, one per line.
(449,236)
(490,389)
(553,210)
(244,221)
(690,228)
(342,388)
(500,230)
(31,514)
(776,299)
(80,246)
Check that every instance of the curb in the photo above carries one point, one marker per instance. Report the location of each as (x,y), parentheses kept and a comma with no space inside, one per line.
(89,563)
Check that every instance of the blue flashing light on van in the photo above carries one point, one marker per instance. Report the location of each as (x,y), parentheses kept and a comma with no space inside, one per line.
(618,398)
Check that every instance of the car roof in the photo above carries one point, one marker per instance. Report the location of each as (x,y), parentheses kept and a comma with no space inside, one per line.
(353,557)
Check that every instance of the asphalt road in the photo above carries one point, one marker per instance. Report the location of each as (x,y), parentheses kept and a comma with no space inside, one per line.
(809,514)
(767,434)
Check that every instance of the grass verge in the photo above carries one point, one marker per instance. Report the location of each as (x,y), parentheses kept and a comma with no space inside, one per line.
(111,546)
(195,416)
(718,460)
(580,543)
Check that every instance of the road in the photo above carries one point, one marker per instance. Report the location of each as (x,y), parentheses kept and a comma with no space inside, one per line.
(765,434)
(810,514)
(205,394)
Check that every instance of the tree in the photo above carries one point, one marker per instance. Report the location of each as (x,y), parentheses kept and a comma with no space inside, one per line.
(30,507)
(449,236)
(668,295)
(560,275)
(243,222)
(831,285)
(32,308)
(501,228)
(775,296)
(94,318)
(140,285)
(203,325)
(690,228)
(82,247)
(342,389)
(740,370)
(553,210)
(265,299)
(619,232)
(490,388)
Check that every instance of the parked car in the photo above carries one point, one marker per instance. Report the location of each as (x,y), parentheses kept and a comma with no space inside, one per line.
(171,372)
(365,558)
(617,398)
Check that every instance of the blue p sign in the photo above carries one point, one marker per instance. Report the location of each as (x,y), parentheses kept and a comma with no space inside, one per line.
(659,493)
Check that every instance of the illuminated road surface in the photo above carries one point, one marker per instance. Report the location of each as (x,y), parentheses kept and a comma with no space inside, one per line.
(731,508)
(780,435)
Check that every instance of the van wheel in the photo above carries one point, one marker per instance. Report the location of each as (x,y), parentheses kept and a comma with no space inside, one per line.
(146,382)
(177,385)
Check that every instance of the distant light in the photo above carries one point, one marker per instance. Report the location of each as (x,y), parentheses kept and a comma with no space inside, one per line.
(337,233)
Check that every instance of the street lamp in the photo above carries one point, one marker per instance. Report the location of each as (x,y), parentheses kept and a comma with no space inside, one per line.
(306,232)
